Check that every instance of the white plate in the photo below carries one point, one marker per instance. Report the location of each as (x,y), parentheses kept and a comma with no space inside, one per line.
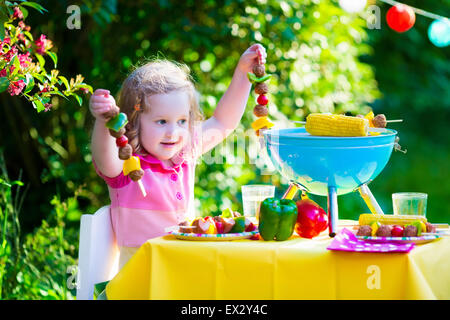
(213,237)
(416,240)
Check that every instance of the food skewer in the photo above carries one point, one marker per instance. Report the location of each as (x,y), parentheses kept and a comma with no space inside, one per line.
(261,111)
(326,124)
(388,121)
(116,122)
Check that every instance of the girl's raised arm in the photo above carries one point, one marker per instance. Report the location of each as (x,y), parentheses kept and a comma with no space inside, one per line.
(232,105)
(103,145)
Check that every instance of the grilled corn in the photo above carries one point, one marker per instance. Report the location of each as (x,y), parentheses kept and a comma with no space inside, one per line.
(321,124)
(401,220)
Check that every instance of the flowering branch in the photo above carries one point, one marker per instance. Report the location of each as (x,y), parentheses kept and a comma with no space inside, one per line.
(22,60)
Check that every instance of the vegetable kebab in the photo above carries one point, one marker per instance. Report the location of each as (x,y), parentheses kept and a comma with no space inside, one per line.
(131,165)
(259,78)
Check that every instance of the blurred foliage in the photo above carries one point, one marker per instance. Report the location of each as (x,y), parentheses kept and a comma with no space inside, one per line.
(35,265)
(414,77)
(323,59)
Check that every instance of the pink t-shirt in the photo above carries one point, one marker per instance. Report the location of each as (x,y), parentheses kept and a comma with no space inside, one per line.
(169,200)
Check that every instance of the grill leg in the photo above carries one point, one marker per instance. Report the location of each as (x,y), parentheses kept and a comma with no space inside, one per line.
(332,211)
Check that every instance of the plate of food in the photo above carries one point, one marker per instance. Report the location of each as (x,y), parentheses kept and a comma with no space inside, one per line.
(396,228)
(214,237)
(225,227)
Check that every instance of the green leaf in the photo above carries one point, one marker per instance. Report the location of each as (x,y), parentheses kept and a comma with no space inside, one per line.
(17,182)
(38,105)
(29,35)
(64,80)
(40,59)
(4,84)
(30,83)
(3,18)
(39,77)
(54,57)
(59,93)
(79,99)
(24,12)
(34,5)
(16,64)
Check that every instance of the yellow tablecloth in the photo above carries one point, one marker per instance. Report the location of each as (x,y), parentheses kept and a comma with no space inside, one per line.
(167,268)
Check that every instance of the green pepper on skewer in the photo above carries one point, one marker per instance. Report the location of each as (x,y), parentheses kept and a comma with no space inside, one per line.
(118,122)
(254,79)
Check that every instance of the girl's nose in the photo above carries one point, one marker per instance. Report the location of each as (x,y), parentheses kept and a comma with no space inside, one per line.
(171,130)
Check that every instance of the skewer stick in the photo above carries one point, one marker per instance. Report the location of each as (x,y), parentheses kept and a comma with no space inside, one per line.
(141,186)
(388,121)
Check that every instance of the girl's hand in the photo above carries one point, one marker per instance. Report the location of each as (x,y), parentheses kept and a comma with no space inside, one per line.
(254,55)
(102,105)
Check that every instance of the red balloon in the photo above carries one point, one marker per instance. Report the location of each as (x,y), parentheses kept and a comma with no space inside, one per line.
(401,18)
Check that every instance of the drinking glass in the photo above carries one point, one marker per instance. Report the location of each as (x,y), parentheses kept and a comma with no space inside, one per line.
(253,195)
(410,203)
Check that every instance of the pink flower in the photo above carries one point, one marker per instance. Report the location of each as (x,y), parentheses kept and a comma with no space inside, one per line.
(16,87)
(3,72)
(17,13)
(21,25)
(47,106)
(42,44)
(46,88)
(85,90)
(21,37)
(2,43)
(8,56)
(25,59)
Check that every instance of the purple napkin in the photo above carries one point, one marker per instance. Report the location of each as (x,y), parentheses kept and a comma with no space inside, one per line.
(347,241)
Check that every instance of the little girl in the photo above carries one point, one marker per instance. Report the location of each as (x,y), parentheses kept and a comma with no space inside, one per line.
(160,101)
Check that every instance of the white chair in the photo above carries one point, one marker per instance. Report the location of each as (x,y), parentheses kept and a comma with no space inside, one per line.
(98,255)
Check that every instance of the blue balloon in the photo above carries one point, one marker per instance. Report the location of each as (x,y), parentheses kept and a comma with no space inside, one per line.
(439,33)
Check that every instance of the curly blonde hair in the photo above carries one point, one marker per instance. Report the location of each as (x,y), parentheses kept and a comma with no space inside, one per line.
(157,76)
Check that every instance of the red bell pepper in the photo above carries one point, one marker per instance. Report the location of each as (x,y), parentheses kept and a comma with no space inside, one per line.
(311,219)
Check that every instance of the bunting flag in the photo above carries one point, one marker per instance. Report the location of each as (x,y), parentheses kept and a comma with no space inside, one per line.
(401,18)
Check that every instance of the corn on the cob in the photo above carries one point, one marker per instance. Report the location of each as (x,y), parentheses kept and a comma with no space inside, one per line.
(321,124)
(401,220)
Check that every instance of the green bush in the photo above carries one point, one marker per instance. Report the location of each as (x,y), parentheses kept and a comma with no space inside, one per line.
(36,265)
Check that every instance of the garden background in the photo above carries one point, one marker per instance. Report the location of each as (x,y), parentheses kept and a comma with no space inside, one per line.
(323,59)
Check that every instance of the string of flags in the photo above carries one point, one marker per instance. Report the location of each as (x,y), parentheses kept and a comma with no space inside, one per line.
(401,18)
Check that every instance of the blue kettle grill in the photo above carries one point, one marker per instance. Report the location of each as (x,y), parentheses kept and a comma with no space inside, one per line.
(329,166)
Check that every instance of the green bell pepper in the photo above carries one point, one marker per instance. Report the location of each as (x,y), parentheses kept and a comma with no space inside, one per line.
(254,79)
(277,218)
(118,122)
(239,225)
